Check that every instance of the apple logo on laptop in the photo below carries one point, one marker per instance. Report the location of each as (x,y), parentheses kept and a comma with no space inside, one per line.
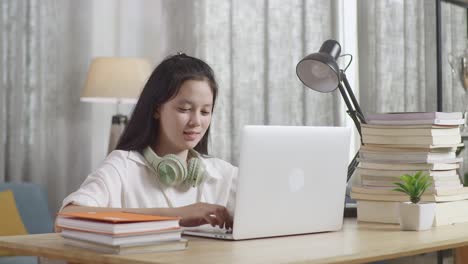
(296,179)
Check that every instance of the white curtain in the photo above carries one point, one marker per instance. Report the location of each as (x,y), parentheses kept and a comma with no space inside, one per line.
(254,47)
(50,138)
(397,55)
(43,56)
(454,43)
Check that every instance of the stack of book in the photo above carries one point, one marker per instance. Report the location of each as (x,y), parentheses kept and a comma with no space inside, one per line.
(405,143)
(121,232)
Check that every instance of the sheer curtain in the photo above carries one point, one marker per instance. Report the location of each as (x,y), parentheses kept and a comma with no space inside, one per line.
(50,138)
(43,63)
(397,55)
(254,47)
(454,43)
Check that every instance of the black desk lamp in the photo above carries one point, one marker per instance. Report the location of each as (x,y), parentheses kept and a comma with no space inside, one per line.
(320,72)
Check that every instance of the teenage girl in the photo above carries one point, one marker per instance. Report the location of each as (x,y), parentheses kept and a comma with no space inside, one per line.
(161,164)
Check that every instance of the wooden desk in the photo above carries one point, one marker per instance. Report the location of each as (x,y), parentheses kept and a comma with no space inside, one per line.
(356,243)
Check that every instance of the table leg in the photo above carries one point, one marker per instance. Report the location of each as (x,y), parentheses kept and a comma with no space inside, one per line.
(461,255)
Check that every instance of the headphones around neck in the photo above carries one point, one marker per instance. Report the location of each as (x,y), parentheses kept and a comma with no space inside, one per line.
(171,170)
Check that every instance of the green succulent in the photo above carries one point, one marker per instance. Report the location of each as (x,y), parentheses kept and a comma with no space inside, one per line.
(414,185)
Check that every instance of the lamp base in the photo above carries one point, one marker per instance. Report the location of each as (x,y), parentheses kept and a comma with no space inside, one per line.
(119,122)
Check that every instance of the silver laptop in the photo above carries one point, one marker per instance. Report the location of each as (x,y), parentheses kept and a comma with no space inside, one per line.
(292,180)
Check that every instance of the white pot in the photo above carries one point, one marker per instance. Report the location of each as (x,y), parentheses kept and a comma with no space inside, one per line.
(416,216)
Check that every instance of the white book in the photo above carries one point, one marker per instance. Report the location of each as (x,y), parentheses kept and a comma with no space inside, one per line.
(420,157)
(421,126)
(391,183)
(135,249)
(386,190)
(410,161)
(378,211)
(414,146)
(423,130)
(392,179)
(404,198)
(414,116)
(388,212)
(395,173)
(418,122)
(397,148)
(411,140)
(117,240)
(408,166)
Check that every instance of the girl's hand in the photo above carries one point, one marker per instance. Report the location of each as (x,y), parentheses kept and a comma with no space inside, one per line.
(204,213)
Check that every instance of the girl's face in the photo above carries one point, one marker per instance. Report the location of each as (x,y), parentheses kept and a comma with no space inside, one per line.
(184,119)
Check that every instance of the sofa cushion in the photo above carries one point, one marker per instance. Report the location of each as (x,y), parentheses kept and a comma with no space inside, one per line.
(10,222)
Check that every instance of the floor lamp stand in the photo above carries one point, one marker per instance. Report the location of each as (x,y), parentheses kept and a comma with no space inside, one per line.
(119,122)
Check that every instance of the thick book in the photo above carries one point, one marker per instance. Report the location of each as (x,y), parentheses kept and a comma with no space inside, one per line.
(448,122)
(408,166)
(130,239)
(411,140)
(421,130)
(392,179)
(135,249)
(408,156)
(404,148)
(391,183)
(416,118)
(397,173)
(405,198)
(439,191)
(388,212)
(409,161)
(115,222)
(415,146)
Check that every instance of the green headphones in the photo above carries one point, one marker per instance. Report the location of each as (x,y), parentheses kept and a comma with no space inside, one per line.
(172,171)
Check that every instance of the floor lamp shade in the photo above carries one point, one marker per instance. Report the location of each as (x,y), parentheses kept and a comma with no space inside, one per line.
(116,80)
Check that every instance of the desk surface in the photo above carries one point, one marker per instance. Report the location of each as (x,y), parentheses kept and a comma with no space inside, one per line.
(356,243)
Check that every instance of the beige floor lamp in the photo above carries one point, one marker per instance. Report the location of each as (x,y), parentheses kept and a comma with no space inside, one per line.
(116,80)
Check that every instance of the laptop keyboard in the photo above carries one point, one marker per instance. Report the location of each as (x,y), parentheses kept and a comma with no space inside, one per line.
(211,229)
(217,230)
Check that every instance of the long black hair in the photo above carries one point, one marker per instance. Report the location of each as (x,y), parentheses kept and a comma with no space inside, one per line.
(164,84)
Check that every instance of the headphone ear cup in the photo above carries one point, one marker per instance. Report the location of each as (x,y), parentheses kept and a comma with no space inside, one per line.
(171,171)
(195,172)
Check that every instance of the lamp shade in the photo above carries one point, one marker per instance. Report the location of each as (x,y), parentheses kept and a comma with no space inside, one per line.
(115,80)
(319,71)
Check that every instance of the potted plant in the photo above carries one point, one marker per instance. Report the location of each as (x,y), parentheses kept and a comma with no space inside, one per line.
(415,215)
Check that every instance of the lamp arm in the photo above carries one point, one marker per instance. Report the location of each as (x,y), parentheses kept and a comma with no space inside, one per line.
(351,111)
(354,116)
(352,166)
(353,98)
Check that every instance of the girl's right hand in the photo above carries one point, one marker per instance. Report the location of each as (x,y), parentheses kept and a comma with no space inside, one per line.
(204,213)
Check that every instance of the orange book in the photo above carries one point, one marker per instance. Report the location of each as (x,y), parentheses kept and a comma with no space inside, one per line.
(117,217)
(115,223)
